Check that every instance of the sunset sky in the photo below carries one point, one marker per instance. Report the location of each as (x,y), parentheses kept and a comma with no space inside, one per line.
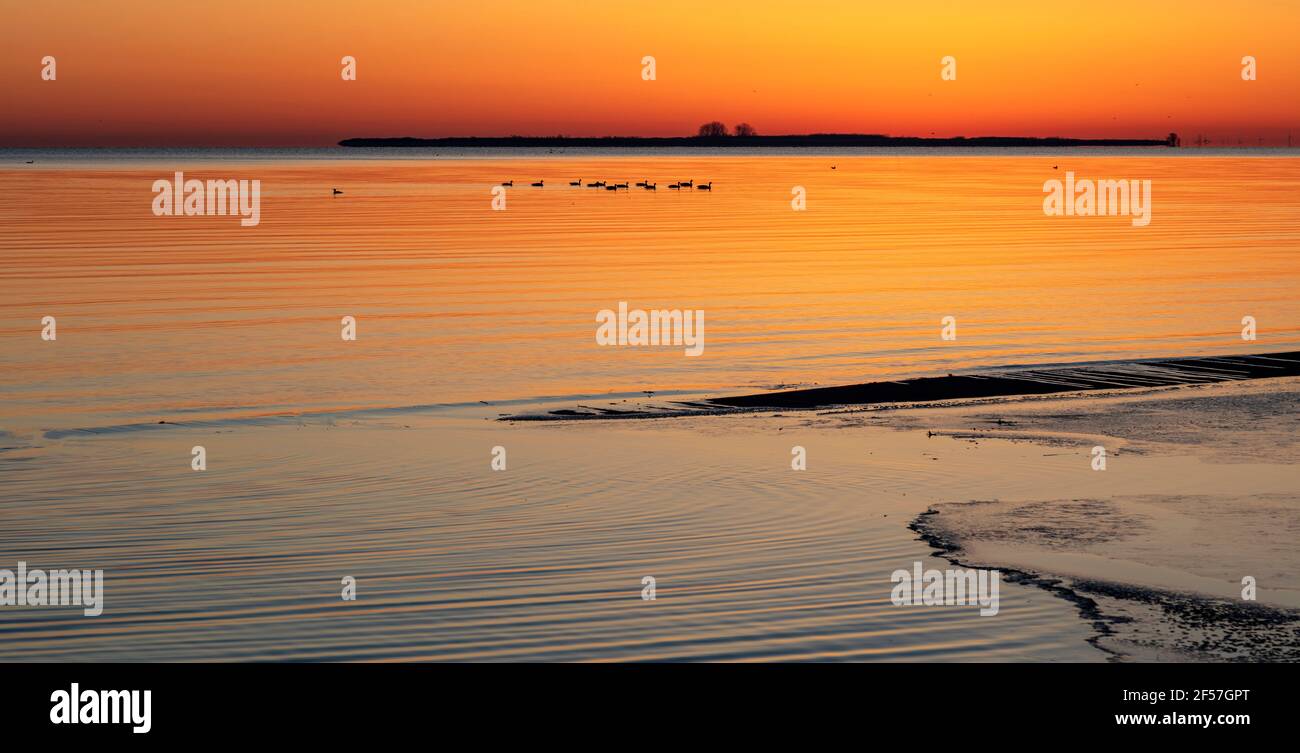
(266,72)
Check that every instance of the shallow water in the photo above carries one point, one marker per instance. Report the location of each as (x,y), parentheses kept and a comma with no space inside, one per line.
(371,458)
(542,561)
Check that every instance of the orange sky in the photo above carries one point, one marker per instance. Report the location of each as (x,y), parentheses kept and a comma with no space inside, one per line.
(266,72)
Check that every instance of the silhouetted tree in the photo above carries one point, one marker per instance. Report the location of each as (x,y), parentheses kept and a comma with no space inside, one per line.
(714,128)
(745,129)
(1174,140)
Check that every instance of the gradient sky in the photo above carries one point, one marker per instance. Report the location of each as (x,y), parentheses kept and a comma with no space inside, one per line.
(266,72)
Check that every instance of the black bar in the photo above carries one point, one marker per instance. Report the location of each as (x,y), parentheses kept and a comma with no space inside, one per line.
(465,705)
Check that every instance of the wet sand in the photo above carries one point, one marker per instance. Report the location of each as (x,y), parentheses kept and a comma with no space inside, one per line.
(1157,571)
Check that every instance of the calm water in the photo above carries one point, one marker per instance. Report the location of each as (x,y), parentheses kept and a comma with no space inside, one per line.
(167,317)
(370,458)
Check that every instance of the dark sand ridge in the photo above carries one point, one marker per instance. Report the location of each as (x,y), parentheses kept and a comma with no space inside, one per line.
(1010,381)
(1165,372)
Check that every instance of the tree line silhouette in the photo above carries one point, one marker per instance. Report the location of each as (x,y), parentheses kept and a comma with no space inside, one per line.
(718,128)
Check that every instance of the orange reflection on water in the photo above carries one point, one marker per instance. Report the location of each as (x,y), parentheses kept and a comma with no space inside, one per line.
(160,316)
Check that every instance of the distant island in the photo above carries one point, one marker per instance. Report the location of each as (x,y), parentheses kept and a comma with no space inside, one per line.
(734,141)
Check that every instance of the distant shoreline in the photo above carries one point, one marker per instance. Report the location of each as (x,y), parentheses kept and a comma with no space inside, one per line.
(715,142)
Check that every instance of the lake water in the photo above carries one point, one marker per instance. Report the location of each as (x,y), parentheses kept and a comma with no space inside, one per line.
(371,458)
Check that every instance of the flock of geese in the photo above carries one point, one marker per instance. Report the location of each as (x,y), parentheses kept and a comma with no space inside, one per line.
(646,184)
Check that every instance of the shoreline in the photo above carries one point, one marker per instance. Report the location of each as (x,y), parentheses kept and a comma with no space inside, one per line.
(1193,610)
(21,160)
(1154,556)
(1125,636)
(729,142)
(948,549)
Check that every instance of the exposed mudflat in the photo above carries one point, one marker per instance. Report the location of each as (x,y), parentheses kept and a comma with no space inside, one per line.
(1162,576)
